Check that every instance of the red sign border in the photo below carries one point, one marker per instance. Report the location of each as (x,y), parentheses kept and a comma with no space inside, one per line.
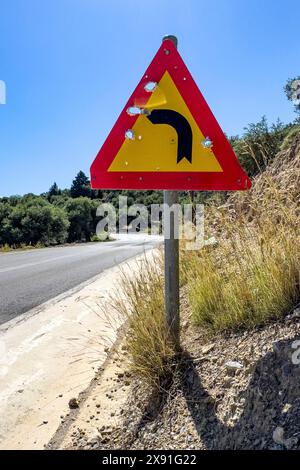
(233,176)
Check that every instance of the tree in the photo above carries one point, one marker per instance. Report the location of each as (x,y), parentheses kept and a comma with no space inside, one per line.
(81,186)
(33,220)
(292,91)
(53,191)
(5,210)
(80,212)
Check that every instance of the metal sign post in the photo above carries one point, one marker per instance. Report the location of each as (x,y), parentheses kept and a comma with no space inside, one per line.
(172,272)
(172,263)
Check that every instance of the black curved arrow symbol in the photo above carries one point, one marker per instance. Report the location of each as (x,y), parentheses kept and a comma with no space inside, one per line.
(182,127)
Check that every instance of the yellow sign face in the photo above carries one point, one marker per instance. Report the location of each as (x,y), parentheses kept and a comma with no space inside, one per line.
(155,146)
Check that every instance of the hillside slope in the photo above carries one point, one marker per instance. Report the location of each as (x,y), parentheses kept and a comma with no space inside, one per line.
(231,389)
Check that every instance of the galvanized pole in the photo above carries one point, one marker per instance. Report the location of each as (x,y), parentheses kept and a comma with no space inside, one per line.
(172,263)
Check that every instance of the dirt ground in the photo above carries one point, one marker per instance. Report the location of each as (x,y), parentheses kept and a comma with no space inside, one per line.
(237,391)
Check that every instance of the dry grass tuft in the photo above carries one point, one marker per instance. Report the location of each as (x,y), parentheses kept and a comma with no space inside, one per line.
(251,277)
(149,348)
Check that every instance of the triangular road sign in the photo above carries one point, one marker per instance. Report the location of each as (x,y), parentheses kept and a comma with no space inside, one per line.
(166,137)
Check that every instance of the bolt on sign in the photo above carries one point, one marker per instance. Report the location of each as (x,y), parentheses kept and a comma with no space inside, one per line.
(166,137)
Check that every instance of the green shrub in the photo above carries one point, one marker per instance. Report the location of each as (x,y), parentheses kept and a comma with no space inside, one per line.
(32,220)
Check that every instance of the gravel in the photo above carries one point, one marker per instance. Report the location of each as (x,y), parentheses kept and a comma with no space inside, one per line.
(233,391)
(239,391)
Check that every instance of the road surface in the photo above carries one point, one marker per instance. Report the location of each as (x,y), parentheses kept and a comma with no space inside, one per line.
(29,278)
(50,357)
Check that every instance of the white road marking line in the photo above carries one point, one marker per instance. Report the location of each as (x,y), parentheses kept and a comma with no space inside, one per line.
(22,266)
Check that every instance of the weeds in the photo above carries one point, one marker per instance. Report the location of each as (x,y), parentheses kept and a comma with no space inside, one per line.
(251,277)
(149,348)
(22,246)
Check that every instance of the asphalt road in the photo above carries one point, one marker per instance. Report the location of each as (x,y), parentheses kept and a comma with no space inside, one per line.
(29,278)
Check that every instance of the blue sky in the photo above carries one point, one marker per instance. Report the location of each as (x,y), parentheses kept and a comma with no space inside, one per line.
(70,66)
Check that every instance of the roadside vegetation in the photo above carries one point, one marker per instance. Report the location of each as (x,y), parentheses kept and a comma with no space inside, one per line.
(252,275)
(60,215)
(141,305)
